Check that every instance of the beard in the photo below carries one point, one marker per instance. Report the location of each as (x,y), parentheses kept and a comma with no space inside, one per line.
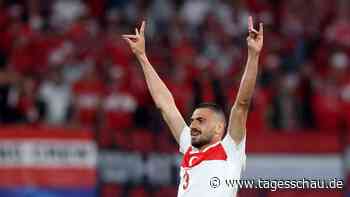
(200,143)
(200,140)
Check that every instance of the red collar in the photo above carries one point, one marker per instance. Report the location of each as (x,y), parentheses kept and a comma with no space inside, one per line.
(194,157)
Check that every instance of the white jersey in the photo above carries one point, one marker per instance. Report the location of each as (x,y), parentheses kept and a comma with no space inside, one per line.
(204,173)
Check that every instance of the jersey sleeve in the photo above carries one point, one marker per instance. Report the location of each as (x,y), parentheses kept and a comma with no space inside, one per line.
(185,139)
(236,152)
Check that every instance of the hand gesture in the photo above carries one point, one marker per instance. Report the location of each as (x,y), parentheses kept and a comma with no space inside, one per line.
(137,41)
(255,38)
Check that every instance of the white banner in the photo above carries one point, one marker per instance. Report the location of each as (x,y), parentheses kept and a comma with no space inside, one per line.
(46,153)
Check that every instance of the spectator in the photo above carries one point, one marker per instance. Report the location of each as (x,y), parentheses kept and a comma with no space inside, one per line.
(55,94)
(65,12)
(8,79)
(118,104)
(87,95)
(326,107)
(338,31)
(23,99)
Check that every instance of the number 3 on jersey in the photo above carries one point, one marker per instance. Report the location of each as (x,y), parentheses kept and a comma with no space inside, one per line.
(186,180)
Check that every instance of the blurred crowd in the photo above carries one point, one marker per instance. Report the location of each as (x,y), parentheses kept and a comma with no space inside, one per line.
(63,62)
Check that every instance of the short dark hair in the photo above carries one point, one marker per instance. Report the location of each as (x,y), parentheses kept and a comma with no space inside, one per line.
(213,106)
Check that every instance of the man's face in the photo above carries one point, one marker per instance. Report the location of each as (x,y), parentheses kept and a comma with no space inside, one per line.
(203,123)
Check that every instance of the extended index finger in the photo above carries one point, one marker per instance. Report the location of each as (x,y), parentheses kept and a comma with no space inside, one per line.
(261,28)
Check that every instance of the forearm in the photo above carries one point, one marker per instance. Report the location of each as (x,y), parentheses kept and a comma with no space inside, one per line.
(239,111)
(248,81)
(159,92)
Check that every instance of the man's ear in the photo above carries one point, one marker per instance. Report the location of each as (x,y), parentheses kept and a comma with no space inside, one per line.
(219,128)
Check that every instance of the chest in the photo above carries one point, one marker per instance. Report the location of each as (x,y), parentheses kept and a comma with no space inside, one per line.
(209,177)
(199,170)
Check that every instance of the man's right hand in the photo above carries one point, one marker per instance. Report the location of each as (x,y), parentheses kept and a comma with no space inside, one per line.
(159,92)
(137,41)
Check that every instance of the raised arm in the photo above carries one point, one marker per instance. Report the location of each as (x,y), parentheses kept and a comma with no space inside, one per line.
(160,93)
(239,111)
